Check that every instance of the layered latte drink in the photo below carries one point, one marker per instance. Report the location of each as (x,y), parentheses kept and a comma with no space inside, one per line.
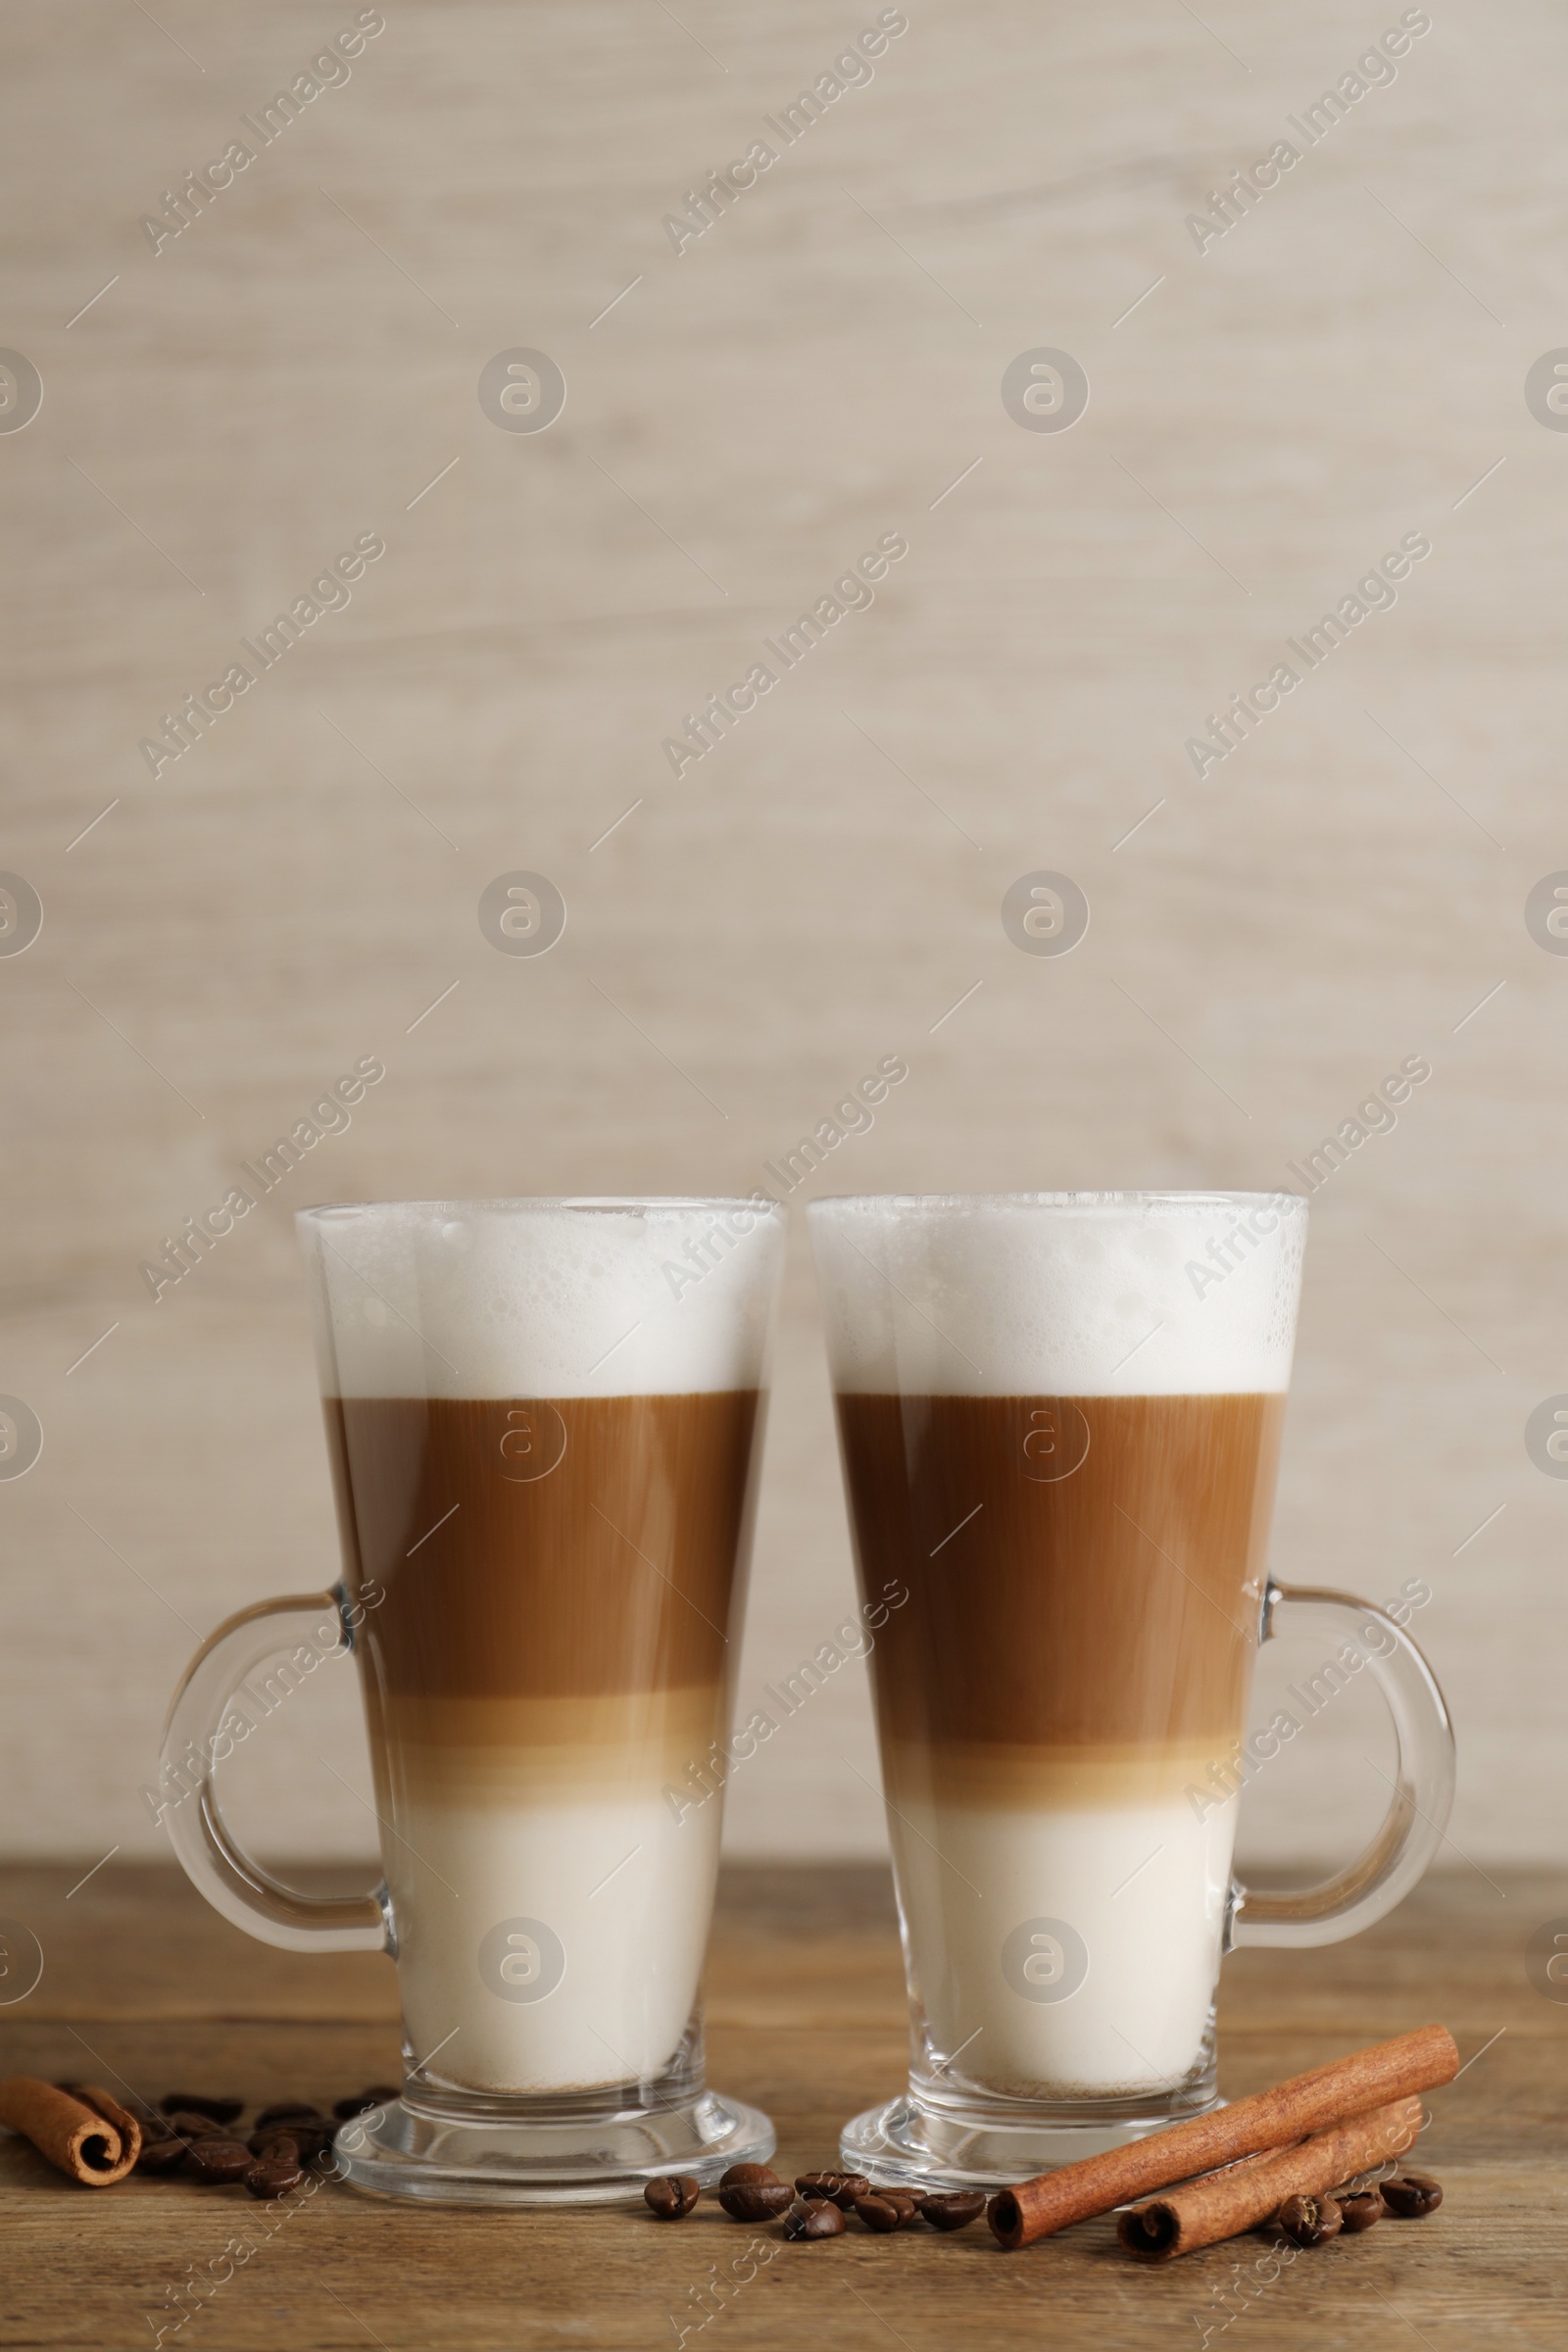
(544,1450)
(1059,1419)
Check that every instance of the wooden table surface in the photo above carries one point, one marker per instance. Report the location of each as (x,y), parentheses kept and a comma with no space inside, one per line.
(143,1986)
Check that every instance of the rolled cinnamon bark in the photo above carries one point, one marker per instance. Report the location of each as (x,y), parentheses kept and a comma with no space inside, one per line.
(1270,2119)
(82,2132)
(1226,2203)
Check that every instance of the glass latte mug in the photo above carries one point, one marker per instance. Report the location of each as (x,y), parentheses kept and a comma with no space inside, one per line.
(544,1419)
(1060,1416)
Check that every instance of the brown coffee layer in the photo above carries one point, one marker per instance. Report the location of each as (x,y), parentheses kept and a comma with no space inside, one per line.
(1082,1572)
(539,1548)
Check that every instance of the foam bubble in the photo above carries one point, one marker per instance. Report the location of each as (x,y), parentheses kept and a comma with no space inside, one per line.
(1060,1294)
(478,1299)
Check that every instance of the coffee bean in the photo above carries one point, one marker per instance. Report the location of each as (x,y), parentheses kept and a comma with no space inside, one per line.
(1361,2211)
(311,2139)
(672,2198)
(906,2207)
(756,2200)
(275,2172)
(216,2159)
(305,2125)
(1412,2196)
(161,2148)
(196,2102)
(191,2125)
(883,2214)
(742,2176)
(1309,2221)
(380,2095)
(813,2217)
(955,2212)
(840,2188)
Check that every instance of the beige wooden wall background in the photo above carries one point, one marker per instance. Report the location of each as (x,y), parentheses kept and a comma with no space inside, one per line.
(823,365)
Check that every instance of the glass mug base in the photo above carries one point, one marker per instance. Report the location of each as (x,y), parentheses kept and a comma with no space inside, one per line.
(971,2142)
(448,2149)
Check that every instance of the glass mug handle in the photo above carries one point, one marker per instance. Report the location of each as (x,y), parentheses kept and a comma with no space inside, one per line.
(1423,1791)
(207,1719)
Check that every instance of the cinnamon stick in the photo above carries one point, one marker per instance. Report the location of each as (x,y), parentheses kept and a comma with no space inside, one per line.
(83,2131)
(1226,2203)
(1271,2118)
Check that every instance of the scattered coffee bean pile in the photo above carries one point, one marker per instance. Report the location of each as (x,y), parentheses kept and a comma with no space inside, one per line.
(200,2138)
(818,2205)
(1312,2221)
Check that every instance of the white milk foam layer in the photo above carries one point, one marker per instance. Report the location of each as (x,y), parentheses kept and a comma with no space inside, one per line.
(1141,1889)
(480,1299)
(624,1890)
(1060,1294)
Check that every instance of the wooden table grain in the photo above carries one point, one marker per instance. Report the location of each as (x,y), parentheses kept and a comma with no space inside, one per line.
(143,1986)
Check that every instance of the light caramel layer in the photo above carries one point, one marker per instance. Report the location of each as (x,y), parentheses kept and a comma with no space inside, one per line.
(509,1751)
(1012,1776)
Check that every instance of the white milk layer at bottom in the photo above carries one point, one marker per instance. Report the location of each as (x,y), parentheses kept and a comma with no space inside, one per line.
(1064,1952)
(551,1947)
